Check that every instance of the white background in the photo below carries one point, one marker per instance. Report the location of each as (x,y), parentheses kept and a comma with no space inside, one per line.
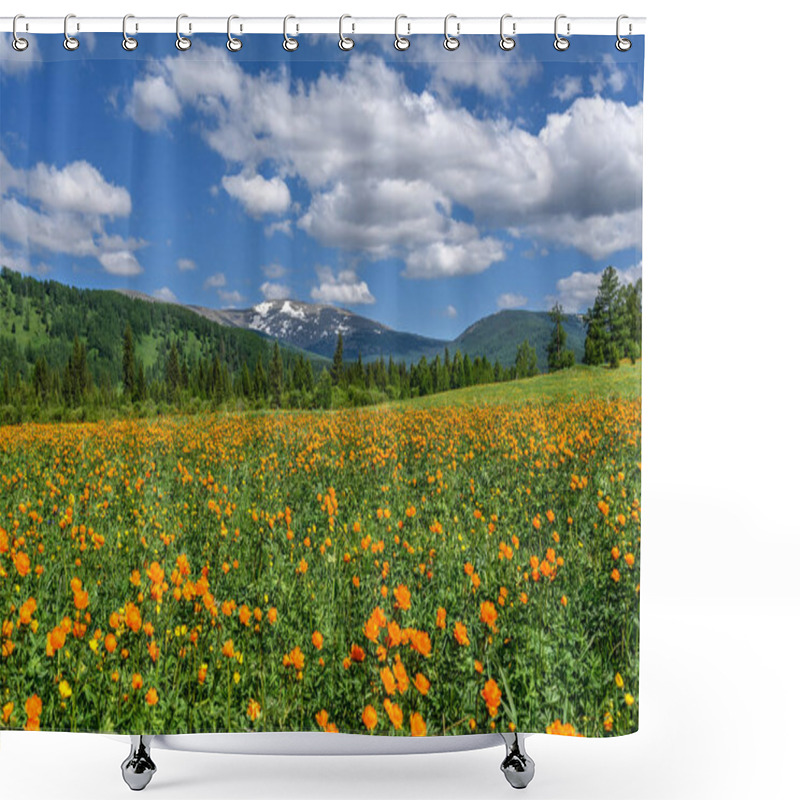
(720,708)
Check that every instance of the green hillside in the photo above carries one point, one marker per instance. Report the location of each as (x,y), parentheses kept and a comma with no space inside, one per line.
(42,318)
(499,335)
(575,383)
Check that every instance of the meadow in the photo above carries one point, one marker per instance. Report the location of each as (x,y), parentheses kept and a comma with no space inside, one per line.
(467,562)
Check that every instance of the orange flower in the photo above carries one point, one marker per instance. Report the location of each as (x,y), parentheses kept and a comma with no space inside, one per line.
(154,651)
(155,573)
(422,684)
(322,718)
(55,640)
(488,613)
(401,676)
(615,553)
(8,710)
(608,721)
(491,694)
(441,618)
(403,597)
(395,713)
(564,600)
(551,517)
(136,681)
(253,710)
(22,564)
(317,639)
(418,727)
(244,616)
(421,642)
(133,619)
(26,611)
(76,585)
(272,615)
(110,642)
(478,667)
(389,683)
(201,673)
(33,706)
(629,559)
(356,653)
(460,633)
(370,718)
(562,729)
(151,698)
(227,648)
(615,575)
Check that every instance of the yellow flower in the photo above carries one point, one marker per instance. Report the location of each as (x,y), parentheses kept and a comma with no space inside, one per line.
(618,680)
(64,690)
(629,699)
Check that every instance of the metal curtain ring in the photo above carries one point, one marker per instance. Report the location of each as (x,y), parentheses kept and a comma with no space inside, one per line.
(345,43)
(451,42)
(400,42)
(18,43)
(289,44)
(622,44)
(506,42)
(181,42)
(233,44)
(70,42)
(128,43)
(561,43)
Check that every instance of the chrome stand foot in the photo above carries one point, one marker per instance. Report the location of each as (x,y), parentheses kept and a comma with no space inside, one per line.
(517,766)
(138,768)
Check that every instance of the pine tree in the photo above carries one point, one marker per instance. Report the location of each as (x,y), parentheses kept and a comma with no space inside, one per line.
(558,357)
(337,371)
(173,374)
(276,377)
(259,379)
(128,362)
(604,320)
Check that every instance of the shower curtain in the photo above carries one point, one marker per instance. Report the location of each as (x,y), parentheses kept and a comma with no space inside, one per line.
(320,385)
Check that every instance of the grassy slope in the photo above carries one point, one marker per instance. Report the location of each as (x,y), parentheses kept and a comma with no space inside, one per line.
(580,381)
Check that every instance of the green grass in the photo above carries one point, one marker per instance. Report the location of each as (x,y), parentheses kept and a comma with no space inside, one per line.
(576,383)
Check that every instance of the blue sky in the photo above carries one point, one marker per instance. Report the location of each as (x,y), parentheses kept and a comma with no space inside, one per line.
(425,189)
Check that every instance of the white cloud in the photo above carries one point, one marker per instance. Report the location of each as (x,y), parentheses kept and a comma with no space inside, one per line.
(511,300)
(444,260)
(232,298)
(273,271)
(451,312)
(576,292)
(215,281)
(120,263)
(609,75)
(386,146)
(166,294)
(275,291)
(258,195)
(66,210)
(567,87)
(186,264)
(153,103)
(344,288)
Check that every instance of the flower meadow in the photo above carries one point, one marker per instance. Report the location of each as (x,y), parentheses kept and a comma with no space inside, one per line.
(398,570)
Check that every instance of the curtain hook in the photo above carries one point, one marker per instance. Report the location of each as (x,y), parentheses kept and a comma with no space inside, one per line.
(451,42)
(18,43)
(70,42)
(622,44)
(182,42)
(128,42)
(233,44)
(289,44)
(507,42)
(561,43)
(345,43)
(401,42)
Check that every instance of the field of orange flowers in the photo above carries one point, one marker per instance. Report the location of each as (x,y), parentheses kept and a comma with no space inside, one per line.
(395,571)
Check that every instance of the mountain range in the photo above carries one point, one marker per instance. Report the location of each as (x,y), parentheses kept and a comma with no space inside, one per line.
(315,328)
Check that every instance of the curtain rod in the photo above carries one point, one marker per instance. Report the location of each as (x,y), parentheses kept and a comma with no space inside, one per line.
(300,25)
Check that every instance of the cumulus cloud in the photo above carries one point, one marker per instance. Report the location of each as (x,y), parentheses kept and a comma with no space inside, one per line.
(215,281)
(451,312)
(567,87)
(258,195)
(166,294)
(230,298)
(577,291)
(511,300)
(275,291)
(186,264)
(66,211)
(410,159)
(273,271)
(608,76)
(343,288)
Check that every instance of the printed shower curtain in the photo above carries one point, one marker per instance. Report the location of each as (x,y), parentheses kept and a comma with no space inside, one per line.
(320,385)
